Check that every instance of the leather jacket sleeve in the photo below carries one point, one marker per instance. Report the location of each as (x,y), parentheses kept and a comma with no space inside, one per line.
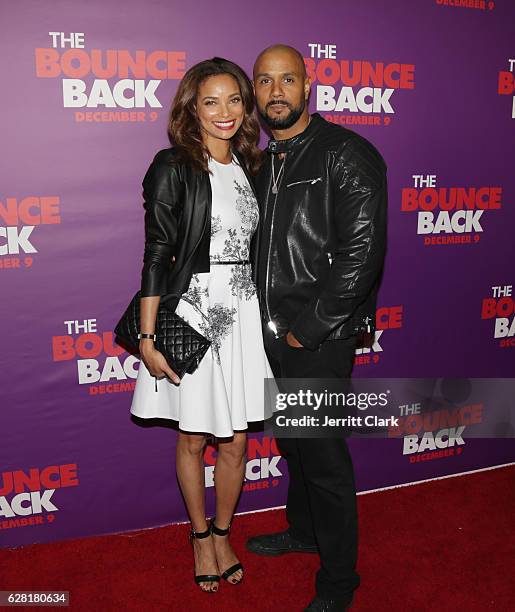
(162,192)
(360,197)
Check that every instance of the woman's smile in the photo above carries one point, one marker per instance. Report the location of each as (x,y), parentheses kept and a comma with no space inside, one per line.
(225,125)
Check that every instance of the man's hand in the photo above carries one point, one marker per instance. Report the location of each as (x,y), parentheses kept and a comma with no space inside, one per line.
(292,341)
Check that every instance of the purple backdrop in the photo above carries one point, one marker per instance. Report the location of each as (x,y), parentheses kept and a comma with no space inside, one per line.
(77,142)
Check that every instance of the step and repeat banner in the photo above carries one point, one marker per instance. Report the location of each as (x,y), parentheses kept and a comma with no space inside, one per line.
(86,93)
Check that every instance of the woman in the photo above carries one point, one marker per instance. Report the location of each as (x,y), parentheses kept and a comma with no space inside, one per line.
(201,215)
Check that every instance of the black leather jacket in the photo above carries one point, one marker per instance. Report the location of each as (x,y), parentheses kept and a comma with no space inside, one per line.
(323,234)
(177,226)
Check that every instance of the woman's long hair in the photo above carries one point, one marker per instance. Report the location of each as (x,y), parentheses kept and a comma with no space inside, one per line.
(184,126)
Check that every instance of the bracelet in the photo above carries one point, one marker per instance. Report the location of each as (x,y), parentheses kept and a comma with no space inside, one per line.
(149,336)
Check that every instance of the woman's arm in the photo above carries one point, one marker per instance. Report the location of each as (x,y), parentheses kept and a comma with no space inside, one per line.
(154,360)
(161,189)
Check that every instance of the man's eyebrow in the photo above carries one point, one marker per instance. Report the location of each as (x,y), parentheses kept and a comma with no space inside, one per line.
(291,73)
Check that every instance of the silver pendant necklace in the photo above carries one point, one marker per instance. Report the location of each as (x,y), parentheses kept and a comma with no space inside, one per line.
(276,181)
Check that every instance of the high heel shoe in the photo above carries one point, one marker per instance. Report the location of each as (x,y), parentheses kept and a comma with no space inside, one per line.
(237,566)
(199,535)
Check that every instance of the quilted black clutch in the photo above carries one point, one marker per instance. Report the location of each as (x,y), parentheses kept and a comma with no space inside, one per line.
(182,346)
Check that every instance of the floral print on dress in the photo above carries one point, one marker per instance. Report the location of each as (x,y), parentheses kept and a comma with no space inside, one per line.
(216,320)
(241,282)
(247,206)
(217,324)
(216,224)
(195,292)
(236,248)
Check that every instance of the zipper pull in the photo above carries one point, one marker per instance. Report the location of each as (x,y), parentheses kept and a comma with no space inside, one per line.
(271,325)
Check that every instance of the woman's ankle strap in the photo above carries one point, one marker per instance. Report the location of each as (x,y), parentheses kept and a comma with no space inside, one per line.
(217,531)
(200,534)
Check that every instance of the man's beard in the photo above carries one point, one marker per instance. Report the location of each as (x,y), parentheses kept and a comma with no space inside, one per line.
(287,122)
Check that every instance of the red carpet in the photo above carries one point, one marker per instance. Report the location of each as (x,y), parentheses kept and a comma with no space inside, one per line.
(437,546)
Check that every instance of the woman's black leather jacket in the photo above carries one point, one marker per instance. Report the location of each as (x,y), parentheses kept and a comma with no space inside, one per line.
(177,226)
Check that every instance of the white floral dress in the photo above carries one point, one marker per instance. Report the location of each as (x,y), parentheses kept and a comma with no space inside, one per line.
(226,392)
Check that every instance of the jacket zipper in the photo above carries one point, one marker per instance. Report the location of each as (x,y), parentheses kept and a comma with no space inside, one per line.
(271,324)
(312,181)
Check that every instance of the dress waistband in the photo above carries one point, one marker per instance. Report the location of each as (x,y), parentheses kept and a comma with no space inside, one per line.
(238,262)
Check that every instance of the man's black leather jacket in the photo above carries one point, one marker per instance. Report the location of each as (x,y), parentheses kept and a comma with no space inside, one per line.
(323,235)
(177,226)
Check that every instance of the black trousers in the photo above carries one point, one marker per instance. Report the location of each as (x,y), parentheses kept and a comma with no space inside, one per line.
(321,506)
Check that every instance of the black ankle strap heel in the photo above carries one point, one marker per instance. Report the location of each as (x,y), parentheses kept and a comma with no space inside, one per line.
(199,535)
(237,566)
(217,531)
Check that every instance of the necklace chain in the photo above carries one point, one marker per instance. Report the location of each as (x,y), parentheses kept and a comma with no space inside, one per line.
(276,181)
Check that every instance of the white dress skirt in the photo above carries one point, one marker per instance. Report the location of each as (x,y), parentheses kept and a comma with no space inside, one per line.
(226,392)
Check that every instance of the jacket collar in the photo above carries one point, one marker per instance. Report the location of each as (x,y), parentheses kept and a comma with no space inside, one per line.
(282,146)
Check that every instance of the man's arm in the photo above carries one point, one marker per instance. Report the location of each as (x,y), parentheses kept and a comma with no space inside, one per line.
(360,193)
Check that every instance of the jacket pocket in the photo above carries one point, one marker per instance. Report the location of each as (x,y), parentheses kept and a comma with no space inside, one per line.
(311,181)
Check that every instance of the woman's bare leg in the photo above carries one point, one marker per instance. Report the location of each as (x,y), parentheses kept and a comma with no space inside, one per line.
(190,474)
(229,473)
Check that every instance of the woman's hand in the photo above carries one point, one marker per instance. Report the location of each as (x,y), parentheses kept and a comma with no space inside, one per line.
(155,362)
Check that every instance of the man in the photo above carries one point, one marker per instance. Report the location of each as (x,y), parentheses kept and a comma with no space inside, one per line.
(322,193)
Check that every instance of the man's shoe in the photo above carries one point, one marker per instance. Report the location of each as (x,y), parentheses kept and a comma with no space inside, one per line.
(275,544)
(318,604)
